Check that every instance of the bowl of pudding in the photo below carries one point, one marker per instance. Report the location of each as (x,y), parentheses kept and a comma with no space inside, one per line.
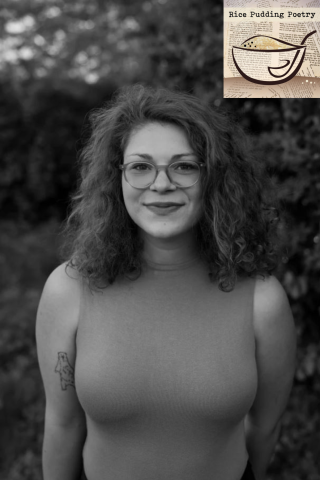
(267,60)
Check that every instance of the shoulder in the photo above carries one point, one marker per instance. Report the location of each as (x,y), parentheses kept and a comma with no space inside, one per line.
(270,303)
(63,282)
(60,299)
(268,285)
(63,277)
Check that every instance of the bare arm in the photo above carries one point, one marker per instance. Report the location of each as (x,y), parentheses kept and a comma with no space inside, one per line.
(65,426)
(275,356)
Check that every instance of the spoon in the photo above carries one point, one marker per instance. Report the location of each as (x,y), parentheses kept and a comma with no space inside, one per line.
(271,69)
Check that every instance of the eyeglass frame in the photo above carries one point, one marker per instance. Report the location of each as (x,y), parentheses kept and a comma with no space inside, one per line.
(158,168)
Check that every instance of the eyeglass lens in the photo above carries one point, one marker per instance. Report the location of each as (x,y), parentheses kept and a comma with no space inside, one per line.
(143,174)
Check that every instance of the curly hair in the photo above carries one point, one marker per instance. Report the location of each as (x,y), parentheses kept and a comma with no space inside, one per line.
(238,232)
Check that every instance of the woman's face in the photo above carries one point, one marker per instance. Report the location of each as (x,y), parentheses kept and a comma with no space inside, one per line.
(160,144)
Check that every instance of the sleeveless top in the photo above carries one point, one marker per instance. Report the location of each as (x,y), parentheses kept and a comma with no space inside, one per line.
(167,352)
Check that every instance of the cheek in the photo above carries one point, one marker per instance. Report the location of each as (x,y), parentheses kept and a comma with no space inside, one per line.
(127,194)
(197,214)
(131,200)
(197,203)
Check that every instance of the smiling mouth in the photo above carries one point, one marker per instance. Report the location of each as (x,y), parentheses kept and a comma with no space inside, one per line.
(163,208)
(163,205)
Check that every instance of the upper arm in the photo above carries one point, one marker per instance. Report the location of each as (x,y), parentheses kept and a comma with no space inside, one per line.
(275,352)
(56,327)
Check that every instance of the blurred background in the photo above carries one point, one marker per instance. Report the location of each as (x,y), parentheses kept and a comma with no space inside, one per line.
(60,59)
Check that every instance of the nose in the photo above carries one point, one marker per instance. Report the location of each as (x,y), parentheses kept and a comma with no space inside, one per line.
(162,182)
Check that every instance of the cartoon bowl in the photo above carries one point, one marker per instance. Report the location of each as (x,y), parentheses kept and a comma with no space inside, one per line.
(270,65)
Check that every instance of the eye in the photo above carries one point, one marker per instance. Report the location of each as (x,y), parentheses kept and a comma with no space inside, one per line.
(184,167)
(140,167)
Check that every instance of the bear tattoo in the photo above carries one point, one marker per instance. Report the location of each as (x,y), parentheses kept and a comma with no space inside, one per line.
(66,371)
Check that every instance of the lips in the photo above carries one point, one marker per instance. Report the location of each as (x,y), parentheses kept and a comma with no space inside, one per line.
(163,208)
(163,204)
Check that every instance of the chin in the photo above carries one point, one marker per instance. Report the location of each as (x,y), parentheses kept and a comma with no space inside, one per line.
(161,233)
(165,232)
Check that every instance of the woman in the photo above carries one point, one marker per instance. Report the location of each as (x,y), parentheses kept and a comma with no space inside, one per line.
(165,344)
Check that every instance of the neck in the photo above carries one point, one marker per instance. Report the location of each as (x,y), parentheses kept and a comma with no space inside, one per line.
(169,251)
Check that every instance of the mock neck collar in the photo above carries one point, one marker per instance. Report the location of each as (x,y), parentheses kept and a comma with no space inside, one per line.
(172,266)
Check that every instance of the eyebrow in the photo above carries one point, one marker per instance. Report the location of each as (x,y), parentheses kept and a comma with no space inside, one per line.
(149,157)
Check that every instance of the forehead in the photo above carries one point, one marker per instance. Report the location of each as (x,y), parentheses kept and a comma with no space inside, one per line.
(158,139)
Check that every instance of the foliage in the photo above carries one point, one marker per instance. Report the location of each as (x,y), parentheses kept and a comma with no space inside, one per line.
(39,138)
(157,41)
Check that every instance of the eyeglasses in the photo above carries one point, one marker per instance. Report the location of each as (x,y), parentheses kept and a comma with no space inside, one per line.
(183,174)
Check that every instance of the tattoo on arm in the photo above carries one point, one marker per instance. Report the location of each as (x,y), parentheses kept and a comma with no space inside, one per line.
(65,370)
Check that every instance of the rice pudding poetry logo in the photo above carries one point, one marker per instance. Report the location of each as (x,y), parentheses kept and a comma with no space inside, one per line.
(271,51)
